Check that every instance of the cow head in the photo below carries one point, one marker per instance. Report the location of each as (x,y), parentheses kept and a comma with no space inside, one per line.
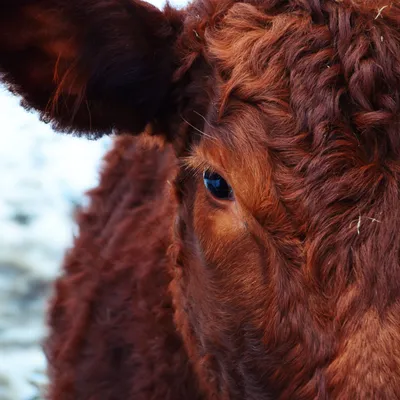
(284,117)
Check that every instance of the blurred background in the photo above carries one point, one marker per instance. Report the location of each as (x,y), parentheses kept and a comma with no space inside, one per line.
(43,178)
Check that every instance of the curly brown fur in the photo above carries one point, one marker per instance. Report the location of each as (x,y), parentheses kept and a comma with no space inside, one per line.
(301,275)
(292,290)
(113,334)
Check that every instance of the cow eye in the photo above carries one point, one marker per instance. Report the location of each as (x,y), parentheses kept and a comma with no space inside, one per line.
(217,186)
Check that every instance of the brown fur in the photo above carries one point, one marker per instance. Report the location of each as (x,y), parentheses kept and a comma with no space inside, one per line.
(292,290)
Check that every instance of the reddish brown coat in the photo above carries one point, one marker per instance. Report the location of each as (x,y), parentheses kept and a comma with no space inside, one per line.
(289,291)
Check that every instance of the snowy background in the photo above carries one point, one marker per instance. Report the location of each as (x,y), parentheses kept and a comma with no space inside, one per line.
(43,177)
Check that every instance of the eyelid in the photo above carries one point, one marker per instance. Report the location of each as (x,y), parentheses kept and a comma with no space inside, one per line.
(199,164)
(210,170)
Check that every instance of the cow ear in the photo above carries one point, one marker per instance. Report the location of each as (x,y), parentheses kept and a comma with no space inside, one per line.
(89,66)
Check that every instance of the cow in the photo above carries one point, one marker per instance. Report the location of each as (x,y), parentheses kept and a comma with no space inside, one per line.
(243,241)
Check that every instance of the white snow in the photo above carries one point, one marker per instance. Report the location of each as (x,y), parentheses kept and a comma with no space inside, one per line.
(175,3)
(43,177)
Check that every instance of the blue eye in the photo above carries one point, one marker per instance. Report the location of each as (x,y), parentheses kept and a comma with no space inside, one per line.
(217,186)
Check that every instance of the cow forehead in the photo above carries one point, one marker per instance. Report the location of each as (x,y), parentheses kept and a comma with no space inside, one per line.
(309,98)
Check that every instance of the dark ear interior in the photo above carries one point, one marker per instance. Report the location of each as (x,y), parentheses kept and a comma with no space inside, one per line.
(89,66)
